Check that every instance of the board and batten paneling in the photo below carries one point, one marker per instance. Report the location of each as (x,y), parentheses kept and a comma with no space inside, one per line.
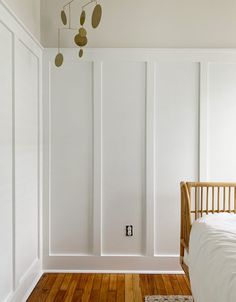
(146,121)
(20,159)
(6,206)
(26,159)
(71,158)
(177,146)
(221,157)
(123,156)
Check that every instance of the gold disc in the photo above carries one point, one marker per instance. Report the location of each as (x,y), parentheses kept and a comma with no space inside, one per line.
(82,32)
(63,17)
(97,15)
(80,41)
(81,52)
(59,59)
(82,18)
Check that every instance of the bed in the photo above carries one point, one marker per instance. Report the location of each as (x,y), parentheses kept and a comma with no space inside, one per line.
(208,240)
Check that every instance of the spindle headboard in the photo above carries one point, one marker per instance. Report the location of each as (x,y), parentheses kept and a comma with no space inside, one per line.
(202,198)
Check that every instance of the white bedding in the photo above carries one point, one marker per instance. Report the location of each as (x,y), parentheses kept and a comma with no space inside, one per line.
(212,258)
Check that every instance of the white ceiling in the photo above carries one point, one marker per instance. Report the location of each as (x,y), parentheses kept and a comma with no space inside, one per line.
(150,23)
(140,23)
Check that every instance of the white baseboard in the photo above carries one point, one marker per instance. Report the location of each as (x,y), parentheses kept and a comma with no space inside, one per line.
(136,264)
(115,272)
(27,284)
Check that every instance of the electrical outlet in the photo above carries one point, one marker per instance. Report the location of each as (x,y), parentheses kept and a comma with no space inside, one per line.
(129,231)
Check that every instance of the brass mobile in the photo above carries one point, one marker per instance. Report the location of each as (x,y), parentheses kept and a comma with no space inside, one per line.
(80,38)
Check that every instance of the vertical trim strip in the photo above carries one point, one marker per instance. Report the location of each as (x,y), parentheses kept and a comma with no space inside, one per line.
(49,156)
(13,168)
(203,128)
(40,159)
(97,164)
(150,157)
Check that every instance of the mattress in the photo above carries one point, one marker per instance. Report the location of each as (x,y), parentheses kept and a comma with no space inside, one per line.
(212,258)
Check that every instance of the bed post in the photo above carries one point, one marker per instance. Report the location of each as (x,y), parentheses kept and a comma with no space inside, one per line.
(185,224)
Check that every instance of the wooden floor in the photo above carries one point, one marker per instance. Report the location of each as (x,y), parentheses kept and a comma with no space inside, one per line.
(106,287)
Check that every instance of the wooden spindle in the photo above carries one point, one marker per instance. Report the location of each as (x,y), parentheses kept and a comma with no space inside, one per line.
(196,203)
(235,200)
(224,199)
(207,197)
(213,200)
(201,188)
(218,200)
(229,199)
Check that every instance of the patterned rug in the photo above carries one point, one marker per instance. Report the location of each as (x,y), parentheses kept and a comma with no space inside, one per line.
(168,299)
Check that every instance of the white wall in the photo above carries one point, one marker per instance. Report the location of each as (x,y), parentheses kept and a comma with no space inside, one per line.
(20,159)
(122,129)
(123,156)
(221,123)
(177,146)
(28,12)
(153,23)
(6,188)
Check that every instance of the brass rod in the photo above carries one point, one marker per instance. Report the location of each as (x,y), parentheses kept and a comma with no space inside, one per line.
(58,39)
(68,3)
(69,16)
(88,3)
(64,28)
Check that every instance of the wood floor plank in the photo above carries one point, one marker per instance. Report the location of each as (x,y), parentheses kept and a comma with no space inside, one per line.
(40,294)
(175,285)
(82,282)
(136,289)
(144,285)
(55,288)
(42,281)
(66,282)
(88,288)
(97,282)
(187,282)
(106,287)
(120,295)
(60,296)
(95,294)
(151,284)
(50,281)
(129,296)
(183,285)
(71,289)
(159,284)
(111,296)
(77,297)
(112,284)
(167,284)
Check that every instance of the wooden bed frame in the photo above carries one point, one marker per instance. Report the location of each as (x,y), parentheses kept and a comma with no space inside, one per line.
(202,198)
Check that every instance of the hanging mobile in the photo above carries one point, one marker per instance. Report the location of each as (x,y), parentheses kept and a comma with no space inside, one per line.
(80,38)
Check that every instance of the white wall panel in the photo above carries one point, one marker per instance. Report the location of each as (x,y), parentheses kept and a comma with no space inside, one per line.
(20,159)
(221,122)
(71,158)
(6,210)
(121,161)
(124,102)
(26,158)
(177,146)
